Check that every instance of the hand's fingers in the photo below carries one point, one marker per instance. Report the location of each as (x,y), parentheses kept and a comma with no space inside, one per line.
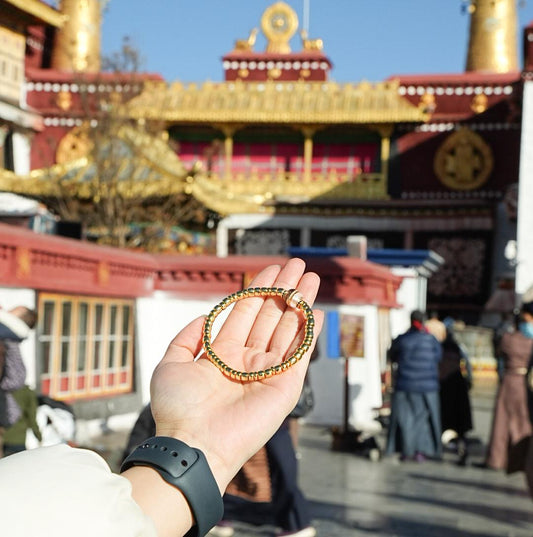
(295,375)
(293,320)
(272,310)
(240,321)
(187,344)
(278,324)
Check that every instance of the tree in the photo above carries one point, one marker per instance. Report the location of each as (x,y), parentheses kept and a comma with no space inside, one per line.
(121,179)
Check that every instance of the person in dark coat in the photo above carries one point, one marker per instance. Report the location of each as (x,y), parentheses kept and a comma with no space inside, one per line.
(287,508)
(455,380)
(415,426)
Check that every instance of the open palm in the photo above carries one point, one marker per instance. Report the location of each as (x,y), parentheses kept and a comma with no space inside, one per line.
(230,420)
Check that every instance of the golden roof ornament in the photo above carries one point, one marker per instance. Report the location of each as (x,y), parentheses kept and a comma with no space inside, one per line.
(296,103)
(77,43)
(279,23)
(311,44)
(74,145)
(246,45)
(479,103)
(492,43)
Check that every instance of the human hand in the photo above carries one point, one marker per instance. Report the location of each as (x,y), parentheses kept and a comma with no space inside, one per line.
(230,420)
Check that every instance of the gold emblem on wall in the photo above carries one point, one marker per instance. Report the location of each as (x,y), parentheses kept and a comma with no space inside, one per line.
(274,73)
(64,100)
(479,103)
(23,263)
(427,103)
(464,161)
(74,145)
(103,273)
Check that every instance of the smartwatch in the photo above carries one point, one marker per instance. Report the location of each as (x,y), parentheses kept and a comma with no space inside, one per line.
(187,469)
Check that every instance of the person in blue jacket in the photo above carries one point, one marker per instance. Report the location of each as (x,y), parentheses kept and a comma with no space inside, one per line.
(415,426)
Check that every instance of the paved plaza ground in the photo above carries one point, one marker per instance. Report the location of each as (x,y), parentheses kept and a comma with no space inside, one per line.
(351,496)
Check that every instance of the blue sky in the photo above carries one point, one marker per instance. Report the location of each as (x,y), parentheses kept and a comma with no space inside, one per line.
(365,39)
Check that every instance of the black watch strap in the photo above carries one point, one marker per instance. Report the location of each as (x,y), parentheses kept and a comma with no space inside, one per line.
(187,469)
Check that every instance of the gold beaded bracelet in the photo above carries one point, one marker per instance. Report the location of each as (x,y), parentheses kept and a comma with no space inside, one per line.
(293,298)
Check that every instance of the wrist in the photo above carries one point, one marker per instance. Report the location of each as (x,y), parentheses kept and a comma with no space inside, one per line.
(222,474)
(185,468)
(163,503)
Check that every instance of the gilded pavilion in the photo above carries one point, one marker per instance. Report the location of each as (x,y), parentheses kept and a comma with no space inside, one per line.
(282,156)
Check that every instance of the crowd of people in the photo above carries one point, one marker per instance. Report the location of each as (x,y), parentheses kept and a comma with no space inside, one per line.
(431,381)
(431,406)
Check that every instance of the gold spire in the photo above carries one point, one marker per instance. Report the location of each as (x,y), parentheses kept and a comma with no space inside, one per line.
(492,43)
(77,44)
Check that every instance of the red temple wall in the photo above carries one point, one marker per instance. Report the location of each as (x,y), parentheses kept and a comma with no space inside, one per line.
(417,152)
(56,264)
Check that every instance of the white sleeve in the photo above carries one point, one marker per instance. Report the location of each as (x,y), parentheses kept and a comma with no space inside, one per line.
(67,491)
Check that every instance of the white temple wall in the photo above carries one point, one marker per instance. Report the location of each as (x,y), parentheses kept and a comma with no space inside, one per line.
(327,375)
(21,153)
(161,316)
(159,319)
(524,268)
(411,295)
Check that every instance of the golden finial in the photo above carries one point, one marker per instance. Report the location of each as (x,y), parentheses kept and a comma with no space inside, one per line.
(311,44)
(279,23)
(77,43)
(492,43)
(247,44)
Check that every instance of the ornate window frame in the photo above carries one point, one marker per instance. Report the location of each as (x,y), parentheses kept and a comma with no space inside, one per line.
(85,346)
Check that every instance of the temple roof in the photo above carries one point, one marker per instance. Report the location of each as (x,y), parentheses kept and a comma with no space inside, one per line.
(273,102)
(147,167)
(39,11)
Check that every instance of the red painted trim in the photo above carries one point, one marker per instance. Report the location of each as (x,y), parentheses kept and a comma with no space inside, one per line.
(48,263)
(304,56)
(34,74)
(458,79)
(57,264)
